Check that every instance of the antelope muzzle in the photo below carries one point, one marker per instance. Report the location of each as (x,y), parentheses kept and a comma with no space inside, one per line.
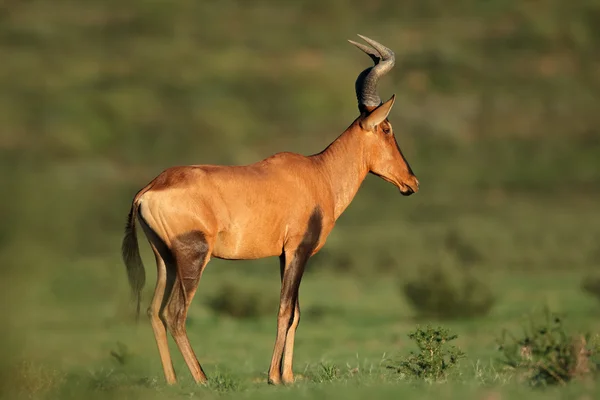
(409,186)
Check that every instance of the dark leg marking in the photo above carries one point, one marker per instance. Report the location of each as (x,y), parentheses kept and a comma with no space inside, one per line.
(293,273)
(290,284)
(190,251)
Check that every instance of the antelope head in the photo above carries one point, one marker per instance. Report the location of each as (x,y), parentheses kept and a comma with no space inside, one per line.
(382,153)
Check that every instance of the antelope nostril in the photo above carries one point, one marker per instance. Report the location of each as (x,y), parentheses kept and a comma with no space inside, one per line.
(406,190)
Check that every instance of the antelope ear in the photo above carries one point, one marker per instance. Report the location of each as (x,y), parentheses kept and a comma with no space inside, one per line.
(378,115)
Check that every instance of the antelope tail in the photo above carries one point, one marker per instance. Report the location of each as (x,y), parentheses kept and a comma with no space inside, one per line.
(131,257)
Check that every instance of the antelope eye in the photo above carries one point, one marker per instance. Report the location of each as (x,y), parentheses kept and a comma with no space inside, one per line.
(387,131)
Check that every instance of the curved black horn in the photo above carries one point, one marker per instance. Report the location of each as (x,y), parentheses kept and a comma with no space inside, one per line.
(366,83)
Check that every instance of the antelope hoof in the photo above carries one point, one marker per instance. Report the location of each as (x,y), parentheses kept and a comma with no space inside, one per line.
(288,379)
(202,381)
(274,381)
(171,381)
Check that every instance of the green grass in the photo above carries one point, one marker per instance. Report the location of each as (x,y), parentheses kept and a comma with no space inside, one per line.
(351,328)
(70,347)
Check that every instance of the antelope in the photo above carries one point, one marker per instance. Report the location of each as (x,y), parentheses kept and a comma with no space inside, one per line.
(285,205)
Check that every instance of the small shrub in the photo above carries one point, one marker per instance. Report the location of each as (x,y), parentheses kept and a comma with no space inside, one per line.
(222,382)
(326,372)
(241,302)
(435,357)
(445,293)
(450,289)
(547,354)
(591,285)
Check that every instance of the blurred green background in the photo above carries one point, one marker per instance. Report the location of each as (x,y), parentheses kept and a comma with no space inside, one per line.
(497,112)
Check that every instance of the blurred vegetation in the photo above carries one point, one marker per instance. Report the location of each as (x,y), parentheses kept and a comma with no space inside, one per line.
(591,285)
(454,287)
(548,354)
(238,301)
(496,111)
(445,292)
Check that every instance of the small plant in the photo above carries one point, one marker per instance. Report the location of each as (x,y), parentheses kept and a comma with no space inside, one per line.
(328,372)
(222,382)
(435,357)
(591,285)
(324,372)
(240,302)
(448,294)
(546,354)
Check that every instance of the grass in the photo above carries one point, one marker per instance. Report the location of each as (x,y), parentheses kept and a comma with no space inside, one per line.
(69,348)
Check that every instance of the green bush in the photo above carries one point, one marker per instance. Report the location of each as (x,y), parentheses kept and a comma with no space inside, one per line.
(446,293)
(591,285)
(450,289)
(238,301)
(547,354)
(435,357)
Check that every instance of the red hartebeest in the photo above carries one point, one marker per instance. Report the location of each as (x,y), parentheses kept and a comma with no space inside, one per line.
(284,206)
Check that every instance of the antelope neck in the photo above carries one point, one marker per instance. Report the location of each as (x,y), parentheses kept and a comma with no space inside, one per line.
(344,166)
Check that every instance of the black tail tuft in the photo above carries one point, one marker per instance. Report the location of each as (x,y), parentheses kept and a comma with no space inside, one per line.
(132,259)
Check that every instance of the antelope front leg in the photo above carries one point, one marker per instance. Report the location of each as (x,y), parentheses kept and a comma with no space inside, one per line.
(286,319)
(292,267)
(288,353)
(283,322)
